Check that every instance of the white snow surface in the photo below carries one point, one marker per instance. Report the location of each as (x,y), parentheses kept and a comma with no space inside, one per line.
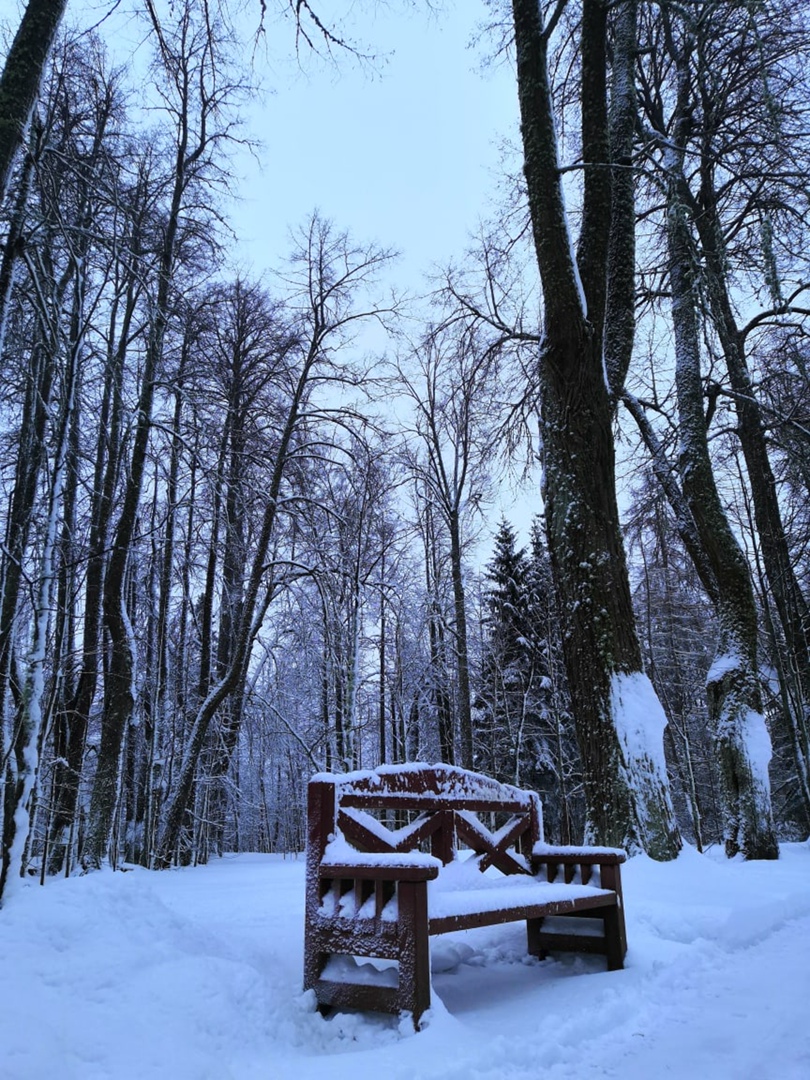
(195,974)
(339,852)
(722,664)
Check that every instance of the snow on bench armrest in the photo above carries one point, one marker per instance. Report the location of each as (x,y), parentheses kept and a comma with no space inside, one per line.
(340,856)
(573,851)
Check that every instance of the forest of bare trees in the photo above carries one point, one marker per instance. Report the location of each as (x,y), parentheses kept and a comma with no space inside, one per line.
(240,545)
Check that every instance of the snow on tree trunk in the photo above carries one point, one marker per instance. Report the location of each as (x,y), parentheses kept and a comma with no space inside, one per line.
(744,751)
(640,722)
(21,76)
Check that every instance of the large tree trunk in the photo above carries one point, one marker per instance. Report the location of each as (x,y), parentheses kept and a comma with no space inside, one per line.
(789,600)
(735,705)
(619,720)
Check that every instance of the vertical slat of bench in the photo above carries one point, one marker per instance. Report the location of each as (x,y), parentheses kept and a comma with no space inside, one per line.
(414,949)
(362,891)
(443,840)
(615,947)
(533,927)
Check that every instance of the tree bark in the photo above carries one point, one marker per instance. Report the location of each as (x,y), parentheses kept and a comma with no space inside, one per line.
(625,779)
(735,705)
(789,599)
(118,689)
(22,74)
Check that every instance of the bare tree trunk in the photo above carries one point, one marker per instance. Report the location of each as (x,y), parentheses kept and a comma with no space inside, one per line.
(381,709)
(735,705)
(76,717)
(14,243)
(155,735)
(789,600)
(22,74)
(666,476)
(438,660)
(28,735)
(460,645)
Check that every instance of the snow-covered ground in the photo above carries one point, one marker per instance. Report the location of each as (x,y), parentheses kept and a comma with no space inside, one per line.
(195,975)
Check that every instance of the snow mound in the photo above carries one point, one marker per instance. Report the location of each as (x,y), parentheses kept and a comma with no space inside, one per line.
(196,975)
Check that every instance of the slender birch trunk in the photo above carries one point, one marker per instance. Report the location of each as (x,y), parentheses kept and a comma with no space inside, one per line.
(30,717)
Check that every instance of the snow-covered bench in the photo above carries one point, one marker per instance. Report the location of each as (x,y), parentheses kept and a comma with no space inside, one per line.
(372,891)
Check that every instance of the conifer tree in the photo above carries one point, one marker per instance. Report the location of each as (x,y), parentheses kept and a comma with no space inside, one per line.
(503,701)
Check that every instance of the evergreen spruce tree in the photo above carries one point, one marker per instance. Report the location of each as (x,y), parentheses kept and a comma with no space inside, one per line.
(501,704)
(524,728)
(523,721)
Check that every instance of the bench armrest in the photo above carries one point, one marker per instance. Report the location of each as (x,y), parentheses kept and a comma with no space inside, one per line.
(382,867)
(580,860)
(572,855)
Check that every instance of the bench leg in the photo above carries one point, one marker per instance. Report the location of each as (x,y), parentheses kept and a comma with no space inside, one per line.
(314,958)
(611,878)
(533,936)
(414,949)
(614,941)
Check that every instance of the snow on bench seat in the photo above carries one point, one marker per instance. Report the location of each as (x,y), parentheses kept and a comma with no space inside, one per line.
(510,893)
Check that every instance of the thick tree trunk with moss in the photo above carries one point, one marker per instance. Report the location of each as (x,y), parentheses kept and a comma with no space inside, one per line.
(789,600)
(619,719)
(735,704)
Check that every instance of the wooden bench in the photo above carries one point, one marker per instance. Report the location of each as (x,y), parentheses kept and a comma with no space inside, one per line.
(407,851)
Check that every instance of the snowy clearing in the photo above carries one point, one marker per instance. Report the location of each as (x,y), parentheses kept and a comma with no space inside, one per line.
(196,974)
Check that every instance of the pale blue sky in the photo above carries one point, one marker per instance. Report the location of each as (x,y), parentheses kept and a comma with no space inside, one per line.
(407,156)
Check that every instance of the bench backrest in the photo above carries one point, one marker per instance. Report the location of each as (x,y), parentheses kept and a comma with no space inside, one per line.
(405,808)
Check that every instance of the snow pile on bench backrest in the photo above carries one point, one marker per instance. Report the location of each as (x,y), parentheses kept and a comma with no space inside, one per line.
(420,779)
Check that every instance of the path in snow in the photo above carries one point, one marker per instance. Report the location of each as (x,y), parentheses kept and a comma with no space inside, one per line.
(195,975)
